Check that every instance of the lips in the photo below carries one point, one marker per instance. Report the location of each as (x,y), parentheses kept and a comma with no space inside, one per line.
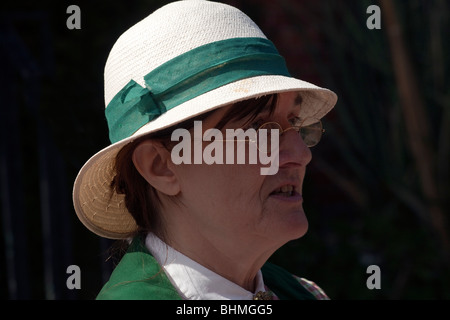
(288,189)
(285,190)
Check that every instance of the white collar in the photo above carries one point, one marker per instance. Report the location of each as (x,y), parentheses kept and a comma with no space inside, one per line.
(192,280)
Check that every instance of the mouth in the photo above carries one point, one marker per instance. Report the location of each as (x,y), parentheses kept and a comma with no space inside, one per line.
(287,190)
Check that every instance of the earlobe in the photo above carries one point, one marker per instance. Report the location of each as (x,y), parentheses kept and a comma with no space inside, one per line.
(152,161)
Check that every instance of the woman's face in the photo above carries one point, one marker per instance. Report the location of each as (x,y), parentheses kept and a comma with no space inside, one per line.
(235,201)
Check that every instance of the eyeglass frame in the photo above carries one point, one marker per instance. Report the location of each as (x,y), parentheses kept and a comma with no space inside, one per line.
(297,128)
(282,131)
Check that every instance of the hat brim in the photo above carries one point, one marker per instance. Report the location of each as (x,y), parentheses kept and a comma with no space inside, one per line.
(103,211)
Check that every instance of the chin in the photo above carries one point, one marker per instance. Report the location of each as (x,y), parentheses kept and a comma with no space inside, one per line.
(294,227)
(300,230)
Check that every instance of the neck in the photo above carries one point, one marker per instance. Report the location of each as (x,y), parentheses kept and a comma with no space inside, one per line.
(234,258)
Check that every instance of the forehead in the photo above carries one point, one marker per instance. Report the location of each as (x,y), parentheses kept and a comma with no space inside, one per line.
(248,110)
(290,100)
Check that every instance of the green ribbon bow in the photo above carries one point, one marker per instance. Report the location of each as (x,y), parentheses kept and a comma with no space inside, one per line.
(187,76)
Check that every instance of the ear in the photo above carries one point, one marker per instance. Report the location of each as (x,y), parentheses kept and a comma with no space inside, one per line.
(152,160)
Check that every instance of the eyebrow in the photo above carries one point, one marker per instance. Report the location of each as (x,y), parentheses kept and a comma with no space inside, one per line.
(298,101)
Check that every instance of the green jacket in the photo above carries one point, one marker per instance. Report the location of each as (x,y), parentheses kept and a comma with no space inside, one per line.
(138,276)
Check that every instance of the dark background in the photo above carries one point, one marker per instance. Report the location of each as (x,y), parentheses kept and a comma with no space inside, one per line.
(377,190)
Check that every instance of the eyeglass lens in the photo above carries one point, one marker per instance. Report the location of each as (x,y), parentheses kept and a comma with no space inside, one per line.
(311,134)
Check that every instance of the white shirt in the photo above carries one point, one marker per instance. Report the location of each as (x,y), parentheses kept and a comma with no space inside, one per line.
(192,280)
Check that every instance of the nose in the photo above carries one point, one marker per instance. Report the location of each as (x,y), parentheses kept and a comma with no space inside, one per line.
(293,150)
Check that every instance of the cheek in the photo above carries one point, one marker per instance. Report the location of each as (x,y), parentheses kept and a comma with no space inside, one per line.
(231,187)
(236,183)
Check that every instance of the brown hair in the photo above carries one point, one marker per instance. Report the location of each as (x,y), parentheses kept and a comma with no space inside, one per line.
(141,199)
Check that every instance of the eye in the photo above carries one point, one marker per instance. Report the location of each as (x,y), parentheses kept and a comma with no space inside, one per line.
(296,121)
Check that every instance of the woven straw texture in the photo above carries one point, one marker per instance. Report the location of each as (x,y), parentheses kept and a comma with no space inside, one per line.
(168,32)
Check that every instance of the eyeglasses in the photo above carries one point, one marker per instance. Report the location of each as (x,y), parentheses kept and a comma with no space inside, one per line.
(310,129)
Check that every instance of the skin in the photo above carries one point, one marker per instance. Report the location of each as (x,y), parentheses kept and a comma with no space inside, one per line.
(225,216)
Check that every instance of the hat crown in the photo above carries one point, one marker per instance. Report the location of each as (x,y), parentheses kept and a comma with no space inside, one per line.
(169,32)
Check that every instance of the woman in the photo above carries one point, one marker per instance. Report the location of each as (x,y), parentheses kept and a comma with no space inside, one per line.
(200,229)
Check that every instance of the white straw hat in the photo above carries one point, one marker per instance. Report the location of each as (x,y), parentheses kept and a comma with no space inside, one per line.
(187,58)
